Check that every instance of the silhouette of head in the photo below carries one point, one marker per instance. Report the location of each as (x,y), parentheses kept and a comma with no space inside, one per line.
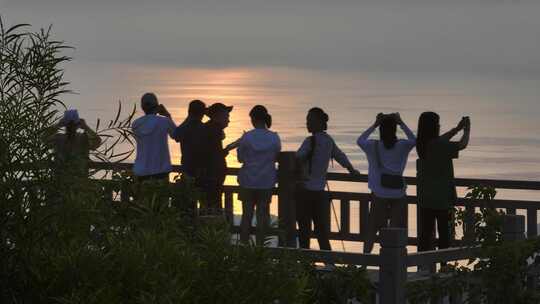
(149,103)
(317,120)
(428,129)
(196,109)
(259,115)
(387,130)
(219,114)
(70,121)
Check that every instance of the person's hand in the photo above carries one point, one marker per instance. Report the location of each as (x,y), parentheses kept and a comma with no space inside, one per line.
(162,110)
(379,119)
(467,123)
(398,119)
(354,172)
(462,123)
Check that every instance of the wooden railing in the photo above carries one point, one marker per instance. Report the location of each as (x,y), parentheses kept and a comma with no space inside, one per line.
(286,208)
(393,259)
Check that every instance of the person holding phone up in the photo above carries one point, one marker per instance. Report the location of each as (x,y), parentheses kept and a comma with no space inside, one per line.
(436,188)
(387,158)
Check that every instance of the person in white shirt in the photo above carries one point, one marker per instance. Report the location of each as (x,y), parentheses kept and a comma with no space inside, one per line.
(258,150)
(313,203)
(152,160)
(387,160)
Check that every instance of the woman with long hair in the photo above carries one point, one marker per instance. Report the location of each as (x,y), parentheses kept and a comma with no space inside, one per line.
(257,152)
(387,158)
(436,189)
(312,202)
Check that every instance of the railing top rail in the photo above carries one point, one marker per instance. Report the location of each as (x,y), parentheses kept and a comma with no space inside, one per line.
(335,176)
(441,255)
(332,256)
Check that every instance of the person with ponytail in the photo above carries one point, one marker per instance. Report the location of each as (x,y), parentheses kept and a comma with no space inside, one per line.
(436,189)
(387,159)
(258,150)
(313,203)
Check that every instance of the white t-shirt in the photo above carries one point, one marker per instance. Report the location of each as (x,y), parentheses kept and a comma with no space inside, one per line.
(258,151)
(152,147)
(394,160)
(325,150)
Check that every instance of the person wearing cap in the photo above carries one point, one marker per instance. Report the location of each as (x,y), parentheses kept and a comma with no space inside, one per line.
(258,150)
(214,165)
(151,130)
(313,203)
(71,148)
(188,134)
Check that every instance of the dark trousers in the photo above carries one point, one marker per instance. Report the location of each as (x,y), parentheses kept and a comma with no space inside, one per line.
(159,176)
(382,210)
(313,206)
(426,230)
(213,191)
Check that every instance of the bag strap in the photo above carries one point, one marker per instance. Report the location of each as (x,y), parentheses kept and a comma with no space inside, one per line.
(379,161)
(378,156)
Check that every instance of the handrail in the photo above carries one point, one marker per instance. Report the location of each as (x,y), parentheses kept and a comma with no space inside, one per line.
(335,176)
(441,255)
(338,257)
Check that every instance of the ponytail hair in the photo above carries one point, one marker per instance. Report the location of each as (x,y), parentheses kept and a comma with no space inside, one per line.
(268,120)
(260,113)
(321,116)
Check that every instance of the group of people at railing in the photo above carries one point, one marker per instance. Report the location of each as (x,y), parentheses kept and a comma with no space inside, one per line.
(203,160)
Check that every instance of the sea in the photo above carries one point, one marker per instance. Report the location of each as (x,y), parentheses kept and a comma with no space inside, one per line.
(504,110)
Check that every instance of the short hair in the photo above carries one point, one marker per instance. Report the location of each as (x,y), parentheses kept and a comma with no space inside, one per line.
(196,108)
(149,102)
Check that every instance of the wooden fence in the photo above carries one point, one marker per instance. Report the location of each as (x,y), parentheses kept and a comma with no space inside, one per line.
(393,259)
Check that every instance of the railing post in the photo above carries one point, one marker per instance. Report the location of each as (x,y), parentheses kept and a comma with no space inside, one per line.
(393,268)
(286,201)
(513,227)
(532,222)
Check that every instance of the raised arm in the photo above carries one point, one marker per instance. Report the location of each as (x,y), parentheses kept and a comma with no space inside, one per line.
(462,125)
(464,141)
(410,135)
(363,139)
(162,110)
(411,138)
(93,139)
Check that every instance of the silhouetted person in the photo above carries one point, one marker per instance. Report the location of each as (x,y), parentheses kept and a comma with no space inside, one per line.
(189,135)
(387,160)
(257,152)
(214,164)
(71,147)
(313,203)
(436,189)
(151,130)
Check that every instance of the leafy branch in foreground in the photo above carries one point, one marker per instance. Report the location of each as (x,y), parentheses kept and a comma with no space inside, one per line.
(502,267)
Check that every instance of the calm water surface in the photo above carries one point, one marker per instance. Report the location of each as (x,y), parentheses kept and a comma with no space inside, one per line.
(505,141)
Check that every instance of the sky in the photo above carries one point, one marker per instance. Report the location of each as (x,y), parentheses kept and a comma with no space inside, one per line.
(499,37)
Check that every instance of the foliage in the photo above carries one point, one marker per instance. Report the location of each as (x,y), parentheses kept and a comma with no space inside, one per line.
(498,275)
(68,239)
